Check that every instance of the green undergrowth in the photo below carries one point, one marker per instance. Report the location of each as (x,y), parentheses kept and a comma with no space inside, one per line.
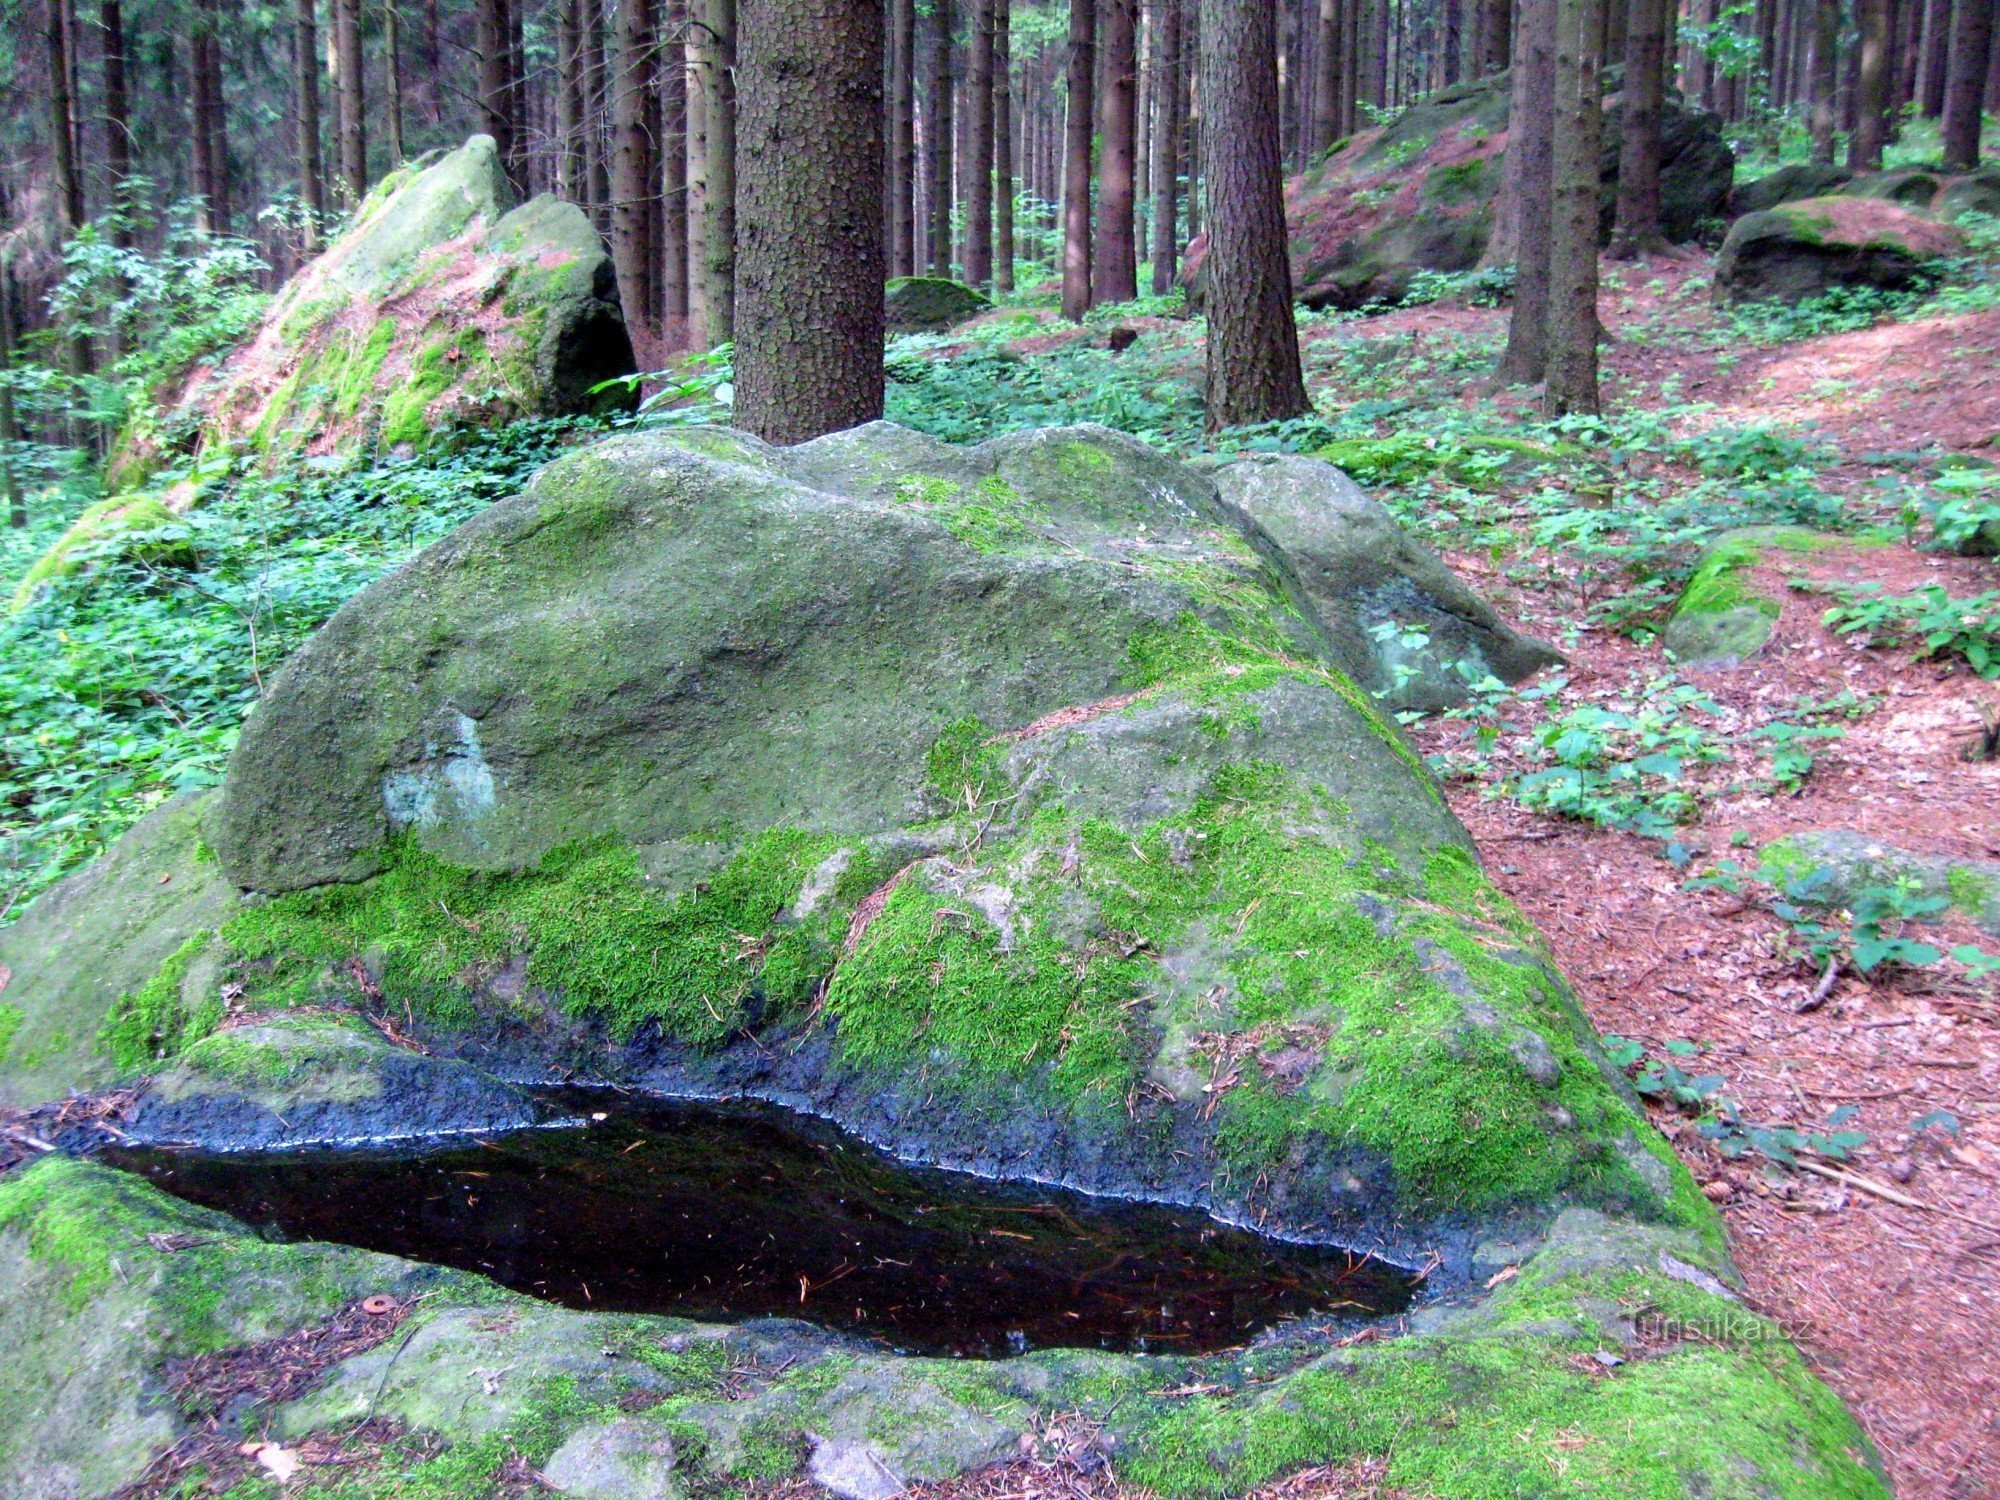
(156,1021)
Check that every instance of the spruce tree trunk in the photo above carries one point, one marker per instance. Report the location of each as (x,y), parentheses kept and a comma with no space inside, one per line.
(493,39)
(1528,186)
(1573,328)
(569,105)
(305,85)
(1825,77)
(1169,99)
(719,215)
(1077,158)
(1003,146)
(1934,51)
(902,138)
(353,102)
(1114,263)
(596,169)
(1871,93)
(1496,20)
(1637,231)
(809,315)
(977,167)
(201,106)
(1253,344)
(10,427)
(1326,89)
(938,134)
(1965,82)
(393,79)
(674,305)
(62,121)
(632,169)
(117,116)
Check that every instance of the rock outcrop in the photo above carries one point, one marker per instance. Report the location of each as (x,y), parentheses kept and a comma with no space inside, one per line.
(1417,194)
(930,304)
(1797,251)
(440,305)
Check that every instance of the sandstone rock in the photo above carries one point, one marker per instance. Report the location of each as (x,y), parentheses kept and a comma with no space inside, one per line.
(930,304)
(1797,251)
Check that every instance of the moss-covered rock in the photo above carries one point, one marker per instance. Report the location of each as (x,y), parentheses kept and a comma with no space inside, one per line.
(1613,1361)
(128,527)
(1725,613)
(1833,867)
(1375,588)
(1417,193)
(1788,184)
(1800,250)
(439,306)
(930,304)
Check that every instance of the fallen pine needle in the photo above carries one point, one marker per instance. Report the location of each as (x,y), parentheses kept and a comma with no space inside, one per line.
(1884,1191)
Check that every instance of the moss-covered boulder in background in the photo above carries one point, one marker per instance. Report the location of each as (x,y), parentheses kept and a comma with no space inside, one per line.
(1417,194)
(930,304)
(1790,183)
(1610,1360)
(440,305)
(130,527)
(1833,867)
(1797,251)
(1725,613)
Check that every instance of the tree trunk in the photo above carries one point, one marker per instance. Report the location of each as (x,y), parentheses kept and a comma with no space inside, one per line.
(392,79)
(1077,159)
(117,118)
(977,168)
(569,105)
(1965,82)
(1528,185)
(1326,90)
(1003,146)
(596,169)
(1496,21)
(903,138)
(674,307)
(62,122)
(632,173)
(1825,77)
(353,101)
(1253,344)
(810,316)
(1933,51)
(10,428)
(938,134)
(1573,327)
(719,215)
(1114,263)
(1638,226)
(1871,94)
(493,39)
(305,83)
(1169,95)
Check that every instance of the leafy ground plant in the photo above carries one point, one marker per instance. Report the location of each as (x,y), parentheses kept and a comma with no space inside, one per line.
(1930,621)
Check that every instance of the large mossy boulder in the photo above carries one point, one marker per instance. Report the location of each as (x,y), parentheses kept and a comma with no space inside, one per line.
(1015,808)
(440,305)
(1790,183)
(930,304)
(1607,1350)
(1802,250)
(1730,605)
(1418,193)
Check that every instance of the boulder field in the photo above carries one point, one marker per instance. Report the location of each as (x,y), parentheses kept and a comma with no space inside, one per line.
(1022,809)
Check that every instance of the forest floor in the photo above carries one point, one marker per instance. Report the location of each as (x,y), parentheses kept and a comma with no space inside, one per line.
(1895,1305)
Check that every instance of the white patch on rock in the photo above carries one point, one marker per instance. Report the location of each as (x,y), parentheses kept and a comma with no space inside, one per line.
(854,1471)
(819,885)
(452,784)
(622,1460)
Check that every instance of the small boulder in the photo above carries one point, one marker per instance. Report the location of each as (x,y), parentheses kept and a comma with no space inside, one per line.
(133,527)
(1832,867)
(1724,615)
(1789,184)
(930,304)
(1798,251)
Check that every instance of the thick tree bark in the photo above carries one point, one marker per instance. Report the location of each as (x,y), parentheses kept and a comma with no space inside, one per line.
(1637,231)
(1003,146)
(1169,99)
(674,305)
(977,168)
(305,85)
(117,116)
(353,100)
(902,138)
(1825,76)
(392,78)
(719,212)
(1253,343)
(1871,94)
(938,134)
(633,177)
(1529,184)
(493,39)
(1573,328)
(809,316)
(1965,82)
(62,121)
(1114,263)
(1077,159)
(1496,22)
